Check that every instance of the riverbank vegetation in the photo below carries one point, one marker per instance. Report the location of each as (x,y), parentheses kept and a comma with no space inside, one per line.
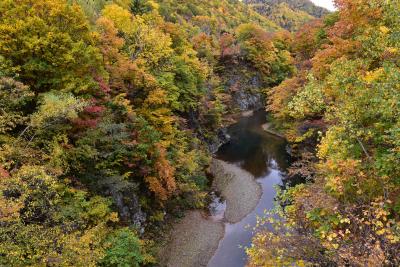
(107,113)
(341,113)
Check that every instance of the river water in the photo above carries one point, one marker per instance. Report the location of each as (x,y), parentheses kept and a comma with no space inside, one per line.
(264,156)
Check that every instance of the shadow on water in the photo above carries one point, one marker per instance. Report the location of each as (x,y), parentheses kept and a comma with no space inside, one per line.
(252,148)
(264,156)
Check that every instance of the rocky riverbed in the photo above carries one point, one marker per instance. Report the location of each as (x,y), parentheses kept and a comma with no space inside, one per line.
(195,238)
(238,187)
(246,170)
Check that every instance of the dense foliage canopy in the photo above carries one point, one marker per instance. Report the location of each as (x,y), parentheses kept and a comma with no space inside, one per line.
(289,14)
(341,111)
(107,110)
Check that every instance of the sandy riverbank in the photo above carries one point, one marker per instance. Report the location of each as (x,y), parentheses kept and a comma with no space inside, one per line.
(193,241)
(195,238)
(237,187)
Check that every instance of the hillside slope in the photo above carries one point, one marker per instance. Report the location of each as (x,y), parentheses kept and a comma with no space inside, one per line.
(108,113)
(224,14)
(297,5)
(289,14)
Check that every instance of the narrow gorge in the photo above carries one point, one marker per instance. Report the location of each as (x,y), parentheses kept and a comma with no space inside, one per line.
(187,133)
(246,171)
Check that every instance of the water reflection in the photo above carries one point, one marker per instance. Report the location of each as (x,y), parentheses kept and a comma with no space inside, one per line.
(253,149)
(263,155)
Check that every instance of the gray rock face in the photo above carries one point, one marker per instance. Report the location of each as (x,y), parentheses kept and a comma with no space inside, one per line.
(126,201)
(129,209)
(244,84)
(248,100)
(222,138)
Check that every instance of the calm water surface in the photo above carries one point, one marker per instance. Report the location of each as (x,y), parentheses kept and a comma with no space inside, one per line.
(263,155)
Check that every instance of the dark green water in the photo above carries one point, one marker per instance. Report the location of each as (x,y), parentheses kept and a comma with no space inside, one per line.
(264,156)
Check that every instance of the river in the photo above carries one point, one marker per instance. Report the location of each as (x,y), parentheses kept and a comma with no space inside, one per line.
(264,156)
(246,171)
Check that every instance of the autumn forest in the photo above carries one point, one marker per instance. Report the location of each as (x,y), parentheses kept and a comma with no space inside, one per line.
(111,112)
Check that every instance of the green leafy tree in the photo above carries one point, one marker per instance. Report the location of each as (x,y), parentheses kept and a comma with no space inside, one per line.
(49,45)
(124,250)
